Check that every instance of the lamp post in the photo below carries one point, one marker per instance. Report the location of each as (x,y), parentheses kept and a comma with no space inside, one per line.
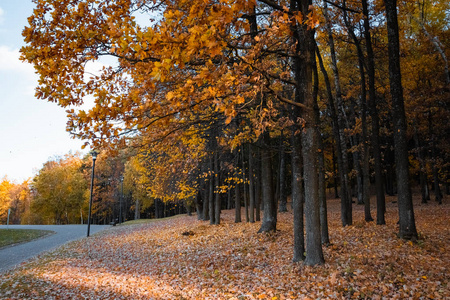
(94,157)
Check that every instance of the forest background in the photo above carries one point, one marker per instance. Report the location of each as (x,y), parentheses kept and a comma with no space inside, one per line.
(211,105)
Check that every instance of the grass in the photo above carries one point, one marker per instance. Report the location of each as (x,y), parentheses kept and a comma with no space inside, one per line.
(145,221)
(15,236)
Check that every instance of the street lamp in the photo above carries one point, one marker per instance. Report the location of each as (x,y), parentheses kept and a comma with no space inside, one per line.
(94,157)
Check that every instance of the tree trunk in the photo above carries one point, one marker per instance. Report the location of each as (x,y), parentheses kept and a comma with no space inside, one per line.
(341,147)
(303,72)
(156,209)
(205,202)
(211,192)
(137,210)
(269,221)
(244,180)
(422,168)
(251,184)
(282,183)
(335,172)
(389,157)
(346,200)
(258,185)
(357,165)
(217,201)
(321,163)
(405,205)
(314,255)
(229,196)
(198,206)
(297,195)
(447,182)
(237,198)
(434,160)
(188,208)
(365,184)
(376,149)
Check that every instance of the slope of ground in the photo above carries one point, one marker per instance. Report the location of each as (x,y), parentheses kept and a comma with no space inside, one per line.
(231,261)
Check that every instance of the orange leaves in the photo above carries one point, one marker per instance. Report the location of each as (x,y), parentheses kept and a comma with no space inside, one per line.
(230,261)
(313,19)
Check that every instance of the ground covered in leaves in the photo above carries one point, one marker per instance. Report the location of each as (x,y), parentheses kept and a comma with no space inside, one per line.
(231,261)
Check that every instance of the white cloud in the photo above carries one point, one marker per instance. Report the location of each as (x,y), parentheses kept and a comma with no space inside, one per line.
(12,67)
(9,61)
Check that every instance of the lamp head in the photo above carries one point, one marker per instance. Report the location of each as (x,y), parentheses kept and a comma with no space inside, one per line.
(94,154)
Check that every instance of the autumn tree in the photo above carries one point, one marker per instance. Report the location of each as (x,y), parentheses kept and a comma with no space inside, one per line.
(21,204)
(425,68)
(405,206)
(136,183)
(338,114)
(5,198)
(197,62)
(60,191)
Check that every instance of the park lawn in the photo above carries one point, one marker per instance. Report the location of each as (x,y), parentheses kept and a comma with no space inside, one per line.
(146,221)
(231,261)
(15,236)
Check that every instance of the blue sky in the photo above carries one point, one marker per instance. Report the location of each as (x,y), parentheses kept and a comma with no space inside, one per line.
(31,131)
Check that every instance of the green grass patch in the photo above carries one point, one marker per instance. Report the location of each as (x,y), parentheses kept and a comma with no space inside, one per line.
(144,221)
(15,236)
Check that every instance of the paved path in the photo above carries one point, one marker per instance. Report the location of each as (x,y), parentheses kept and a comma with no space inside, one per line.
(14,255)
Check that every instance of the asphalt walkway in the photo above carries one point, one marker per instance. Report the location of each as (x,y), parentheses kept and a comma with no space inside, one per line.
(13,255)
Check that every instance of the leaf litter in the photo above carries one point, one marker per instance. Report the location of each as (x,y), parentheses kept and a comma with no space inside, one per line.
(183,258)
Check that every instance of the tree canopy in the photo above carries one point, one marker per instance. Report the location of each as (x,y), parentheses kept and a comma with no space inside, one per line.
(189,87)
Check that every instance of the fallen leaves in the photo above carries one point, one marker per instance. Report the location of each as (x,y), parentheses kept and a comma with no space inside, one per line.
(230,261)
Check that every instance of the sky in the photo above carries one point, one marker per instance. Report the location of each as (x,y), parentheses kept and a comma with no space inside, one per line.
(32,131)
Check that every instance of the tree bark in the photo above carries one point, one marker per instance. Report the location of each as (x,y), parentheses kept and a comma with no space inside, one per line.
(155,202)
(407,226)
(251,184)
(244,180)
(198,206)
(237,198)
(137,210)
(422,168)
(335,172)
(321,163)
(297,195)
(211,191)
(346,200)
(282,207)
(341,147)
(303,72)
(258,185)
(375,137)
(269,221)
(364,160)
(229,196)
(434,158)
(217,202)
(205,203)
